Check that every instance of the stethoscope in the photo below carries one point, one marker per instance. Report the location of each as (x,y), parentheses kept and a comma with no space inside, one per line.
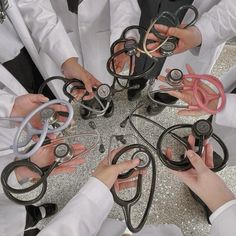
(131,48)
(201,130)
(95,107)
(63,153)
(3,7)
(50,124)
(146,159)
(168,44)
(176,79)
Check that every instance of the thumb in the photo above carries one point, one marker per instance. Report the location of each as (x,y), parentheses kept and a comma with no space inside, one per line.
(126,165)
(38,98)
(196,161)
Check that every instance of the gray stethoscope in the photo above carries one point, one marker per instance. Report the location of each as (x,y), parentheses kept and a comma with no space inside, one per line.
(147,159)
(50,125)
(3,7)
(102,95)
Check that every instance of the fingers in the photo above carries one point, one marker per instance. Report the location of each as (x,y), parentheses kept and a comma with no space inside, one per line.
(209,156)
(189,112)
(163,29)
(189,69)
(196,162)
(169,153)
(191,141)
(126,165)
(38,98)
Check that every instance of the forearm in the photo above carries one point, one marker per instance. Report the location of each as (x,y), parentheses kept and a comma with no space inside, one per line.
(84,214)
(47,30)
(123,14)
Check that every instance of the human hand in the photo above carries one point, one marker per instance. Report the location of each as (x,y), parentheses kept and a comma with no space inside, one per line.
(26,103)
(108,174)
(201,180)
(187,96)
(72,69)
(188,38)
(45,157)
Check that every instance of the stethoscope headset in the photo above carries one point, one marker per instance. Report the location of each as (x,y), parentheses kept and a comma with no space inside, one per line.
(167,44)
(146,160)
(100,105)
(177,81)
(202,130)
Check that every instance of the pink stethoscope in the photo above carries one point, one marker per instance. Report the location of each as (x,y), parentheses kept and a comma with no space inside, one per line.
(202,93)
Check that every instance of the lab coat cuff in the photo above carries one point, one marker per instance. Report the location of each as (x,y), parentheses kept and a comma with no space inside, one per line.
(6,106)
(227,116)
(224,210)
(97,192)
(208,35)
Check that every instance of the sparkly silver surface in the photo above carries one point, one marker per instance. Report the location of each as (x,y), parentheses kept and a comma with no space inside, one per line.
(172,201)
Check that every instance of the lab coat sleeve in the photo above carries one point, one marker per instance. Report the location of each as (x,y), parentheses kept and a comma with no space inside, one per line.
(123,13)
(223,220)
(227,116)
(47,30)
(84,214)
(217,25)
(7,101)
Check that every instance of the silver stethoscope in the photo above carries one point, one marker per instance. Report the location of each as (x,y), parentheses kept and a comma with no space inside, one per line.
(50,124)
(102,95)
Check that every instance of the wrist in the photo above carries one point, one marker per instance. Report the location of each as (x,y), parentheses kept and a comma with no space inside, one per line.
(69,66)
(197,36)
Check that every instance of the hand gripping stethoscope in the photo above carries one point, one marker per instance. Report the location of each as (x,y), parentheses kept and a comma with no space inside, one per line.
(180,82)
(49,120)
(3,7)
(167,44)
(131,48)
(96,107)
(201,130)
(146,159)
(63,153)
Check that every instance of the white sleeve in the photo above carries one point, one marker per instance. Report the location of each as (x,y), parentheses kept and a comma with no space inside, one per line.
(223,220)
(84,214)
(6,103)
(217,25)
(123,13)
(47,30)
(227,116)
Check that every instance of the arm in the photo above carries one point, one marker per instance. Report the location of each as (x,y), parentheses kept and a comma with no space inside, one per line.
(84,214)
(47,30)
(123,13)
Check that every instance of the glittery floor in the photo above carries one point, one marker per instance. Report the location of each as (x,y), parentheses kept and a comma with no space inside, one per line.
(172,201)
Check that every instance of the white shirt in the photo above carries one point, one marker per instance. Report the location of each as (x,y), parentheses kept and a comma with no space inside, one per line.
(10,43)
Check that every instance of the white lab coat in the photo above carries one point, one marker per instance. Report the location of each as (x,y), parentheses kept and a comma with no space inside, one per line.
(85,214)
(40,30)
(96,27)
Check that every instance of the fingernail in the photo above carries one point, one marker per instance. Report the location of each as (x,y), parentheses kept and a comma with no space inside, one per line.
(44,99)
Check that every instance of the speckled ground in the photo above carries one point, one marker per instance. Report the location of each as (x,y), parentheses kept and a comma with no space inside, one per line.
(172,201)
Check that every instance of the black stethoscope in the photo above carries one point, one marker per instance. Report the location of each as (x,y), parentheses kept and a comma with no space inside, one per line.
(3,7)
(167,44)
(146,159)
(201,130)
(63,153)
(131,48)
(100,105)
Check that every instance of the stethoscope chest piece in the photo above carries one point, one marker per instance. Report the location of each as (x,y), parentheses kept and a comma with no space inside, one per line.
(104,91)
(63,152)
(174,77)
(167,49)
(50,115)
(202,128)
(131,47)
(144,159)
